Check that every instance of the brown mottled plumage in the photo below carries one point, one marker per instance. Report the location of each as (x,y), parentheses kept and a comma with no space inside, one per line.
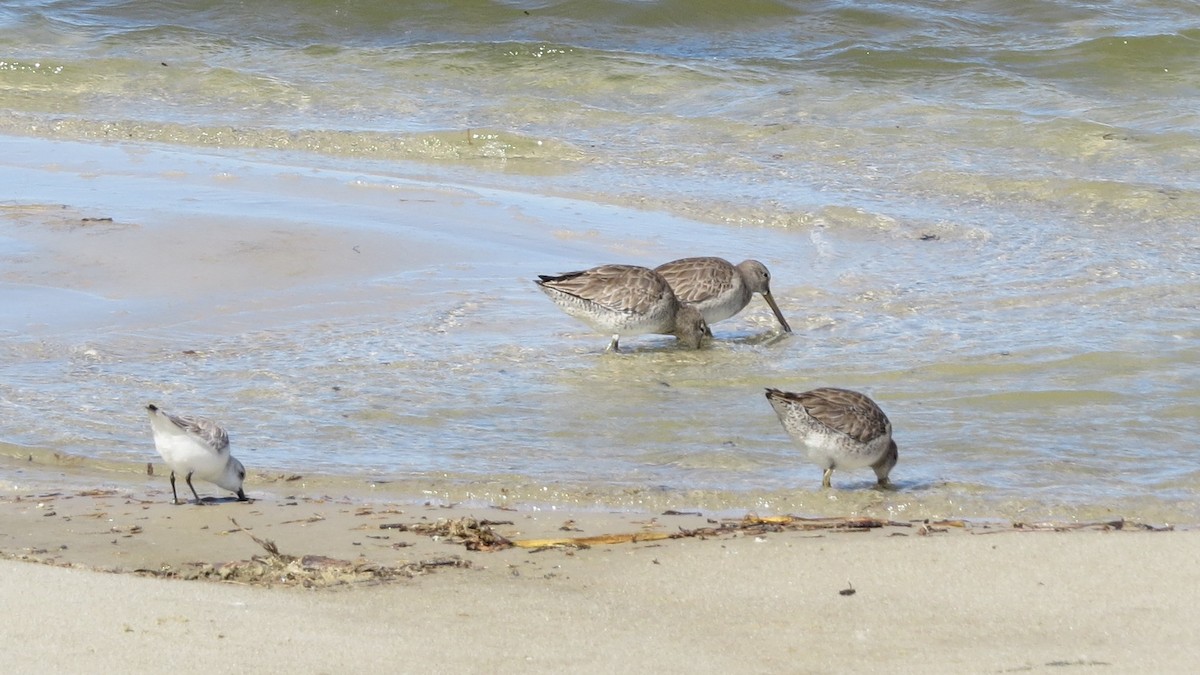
(838,429)
(625,299)
(718,288)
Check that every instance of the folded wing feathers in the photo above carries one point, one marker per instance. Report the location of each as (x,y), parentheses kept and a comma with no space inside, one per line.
(691,286)
(205,429)
(615,287)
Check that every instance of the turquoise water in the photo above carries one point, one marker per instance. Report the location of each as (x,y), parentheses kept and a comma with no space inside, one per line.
(985,216)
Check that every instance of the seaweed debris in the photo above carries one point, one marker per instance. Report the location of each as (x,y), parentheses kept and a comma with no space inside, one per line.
(308,571)
(749,525)
(476,535)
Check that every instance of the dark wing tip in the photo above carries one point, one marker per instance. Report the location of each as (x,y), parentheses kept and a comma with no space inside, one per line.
(549,278)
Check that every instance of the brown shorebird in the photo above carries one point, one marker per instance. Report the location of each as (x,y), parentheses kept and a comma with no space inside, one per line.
(718,288)
(625,300)
(838,429)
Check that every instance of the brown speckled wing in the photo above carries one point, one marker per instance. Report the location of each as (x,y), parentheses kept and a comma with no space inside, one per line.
(696,279)
(843,410)
(622,288)
(207,430)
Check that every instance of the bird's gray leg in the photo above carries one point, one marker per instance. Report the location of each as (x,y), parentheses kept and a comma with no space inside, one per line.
(825,481)
(174,495)
(189,482)
(613,346)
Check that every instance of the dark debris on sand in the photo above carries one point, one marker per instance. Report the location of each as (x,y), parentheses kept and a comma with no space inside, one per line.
(477,535)
(276,568)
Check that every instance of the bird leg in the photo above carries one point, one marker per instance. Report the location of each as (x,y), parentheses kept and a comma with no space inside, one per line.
(613,346)
(174,495)
(189,482)
(825,481)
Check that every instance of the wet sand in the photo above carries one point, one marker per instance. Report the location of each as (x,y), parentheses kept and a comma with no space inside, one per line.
(907,597)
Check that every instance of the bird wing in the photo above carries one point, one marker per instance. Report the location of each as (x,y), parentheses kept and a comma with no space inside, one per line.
(697,279)
(848,412)
(205,429)
(620,288)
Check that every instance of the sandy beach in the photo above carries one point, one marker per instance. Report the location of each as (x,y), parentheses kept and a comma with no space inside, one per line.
(319,224)
(808,597)
(101,572)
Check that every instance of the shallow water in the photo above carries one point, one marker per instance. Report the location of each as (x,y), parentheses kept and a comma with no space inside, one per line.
(985,218)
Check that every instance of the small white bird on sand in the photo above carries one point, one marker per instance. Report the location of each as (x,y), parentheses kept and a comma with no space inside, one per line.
(199,447)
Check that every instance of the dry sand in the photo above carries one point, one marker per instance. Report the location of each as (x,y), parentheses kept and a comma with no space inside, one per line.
(954,597)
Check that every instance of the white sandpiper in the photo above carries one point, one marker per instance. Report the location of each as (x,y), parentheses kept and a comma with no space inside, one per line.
(195,446)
